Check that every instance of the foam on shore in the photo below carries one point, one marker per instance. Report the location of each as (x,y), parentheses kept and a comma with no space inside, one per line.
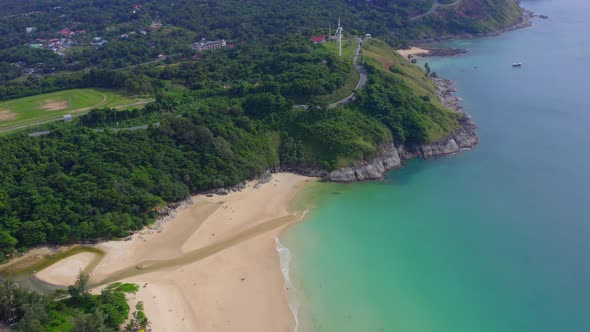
(291,292)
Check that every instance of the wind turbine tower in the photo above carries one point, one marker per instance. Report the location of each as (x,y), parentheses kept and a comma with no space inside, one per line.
(339,36)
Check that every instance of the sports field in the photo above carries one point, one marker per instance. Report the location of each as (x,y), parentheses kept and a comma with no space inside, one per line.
(28,111)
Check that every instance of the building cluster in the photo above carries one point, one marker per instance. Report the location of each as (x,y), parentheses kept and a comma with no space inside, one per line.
(98,42)
(57,45)
(206,45)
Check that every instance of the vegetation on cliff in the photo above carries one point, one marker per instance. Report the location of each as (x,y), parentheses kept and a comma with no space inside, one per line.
(467,17)
(401,96)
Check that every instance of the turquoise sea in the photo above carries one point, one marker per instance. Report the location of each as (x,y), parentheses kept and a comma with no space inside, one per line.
(496,239)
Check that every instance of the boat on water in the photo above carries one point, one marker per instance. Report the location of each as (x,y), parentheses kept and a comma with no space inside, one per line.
(517,64)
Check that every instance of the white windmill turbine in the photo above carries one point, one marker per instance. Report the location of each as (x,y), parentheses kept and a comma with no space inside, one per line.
(339,36)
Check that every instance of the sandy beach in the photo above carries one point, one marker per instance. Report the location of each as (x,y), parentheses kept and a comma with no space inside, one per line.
(213,267)
(412,51)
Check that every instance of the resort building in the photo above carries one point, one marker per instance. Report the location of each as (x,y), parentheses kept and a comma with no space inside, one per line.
(205,45)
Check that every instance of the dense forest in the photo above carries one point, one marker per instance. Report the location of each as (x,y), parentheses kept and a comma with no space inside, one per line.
(78,184)
(72,310)
(47,45)
(138,32)
(223,116)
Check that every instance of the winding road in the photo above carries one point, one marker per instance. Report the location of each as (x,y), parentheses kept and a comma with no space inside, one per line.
(359,86)
(362,79)
(435,5)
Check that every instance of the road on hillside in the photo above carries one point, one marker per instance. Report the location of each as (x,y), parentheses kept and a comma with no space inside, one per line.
(435,5)
(362,78)
(359,86)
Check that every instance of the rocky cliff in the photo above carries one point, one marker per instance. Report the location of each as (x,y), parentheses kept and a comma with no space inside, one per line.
(393,157)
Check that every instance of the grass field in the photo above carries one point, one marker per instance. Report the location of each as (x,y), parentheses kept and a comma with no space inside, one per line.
(28,111)
(348,47)
(380,55)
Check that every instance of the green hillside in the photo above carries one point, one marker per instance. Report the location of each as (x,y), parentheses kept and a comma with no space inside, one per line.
(400,94)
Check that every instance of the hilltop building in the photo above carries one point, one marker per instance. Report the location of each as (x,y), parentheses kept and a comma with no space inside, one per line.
(319,39)
(206,45)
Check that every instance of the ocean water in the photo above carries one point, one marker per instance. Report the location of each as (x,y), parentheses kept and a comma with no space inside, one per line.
(496,239)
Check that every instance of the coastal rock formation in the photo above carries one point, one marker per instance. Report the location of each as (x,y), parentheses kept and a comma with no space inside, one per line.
(464,138)
(445,51)
(388,159)
(393,156)
(524,21)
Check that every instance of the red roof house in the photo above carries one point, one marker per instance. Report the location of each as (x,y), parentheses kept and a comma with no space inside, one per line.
(66,32)
(318,39)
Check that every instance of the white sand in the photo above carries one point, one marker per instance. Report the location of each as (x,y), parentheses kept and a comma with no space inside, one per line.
(227,276)
(65,271)
(412,51)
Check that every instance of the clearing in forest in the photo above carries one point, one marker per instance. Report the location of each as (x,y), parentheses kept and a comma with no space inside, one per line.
(52,105)
(29,111)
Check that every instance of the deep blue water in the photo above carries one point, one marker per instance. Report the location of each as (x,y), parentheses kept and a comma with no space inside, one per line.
(494,239)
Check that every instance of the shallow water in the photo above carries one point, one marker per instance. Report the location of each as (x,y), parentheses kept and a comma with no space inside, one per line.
(493,239)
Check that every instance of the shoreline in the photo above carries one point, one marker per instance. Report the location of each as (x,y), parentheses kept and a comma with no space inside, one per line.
(525,21)
(210,266)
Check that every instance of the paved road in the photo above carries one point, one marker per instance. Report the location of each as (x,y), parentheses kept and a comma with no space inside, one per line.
(359,86)
(435,5)
(362,79)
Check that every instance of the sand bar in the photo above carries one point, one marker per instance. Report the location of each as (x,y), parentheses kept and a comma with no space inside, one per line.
(412,51)
(65,271)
